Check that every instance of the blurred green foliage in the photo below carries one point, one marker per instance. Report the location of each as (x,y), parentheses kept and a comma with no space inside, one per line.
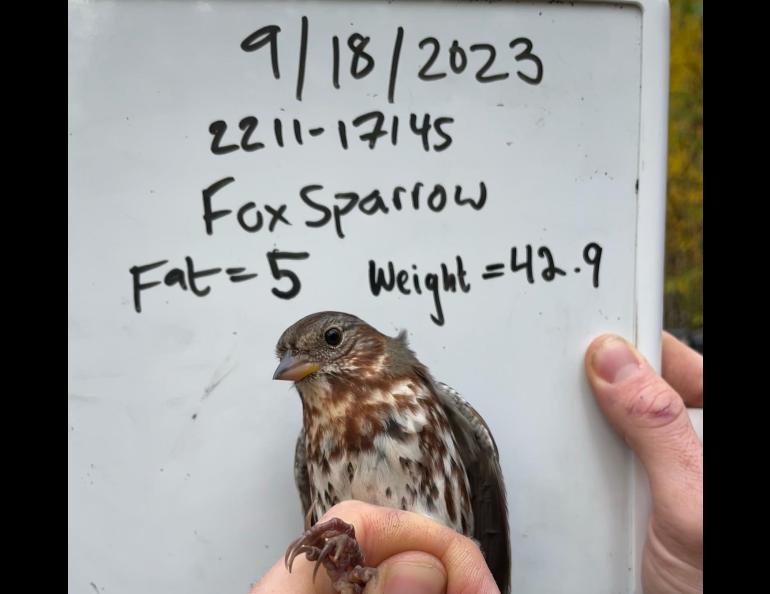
(684,224)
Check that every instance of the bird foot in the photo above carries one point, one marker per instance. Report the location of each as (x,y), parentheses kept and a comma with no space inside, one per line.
(333,544)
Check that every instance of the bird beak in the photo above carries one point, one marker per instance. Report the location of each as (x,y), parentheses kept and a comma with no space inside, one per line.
(291,369)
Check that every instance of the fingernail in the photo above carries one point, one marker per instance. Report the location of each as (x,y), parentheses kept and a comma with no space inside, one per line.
(615,361)
(414,578)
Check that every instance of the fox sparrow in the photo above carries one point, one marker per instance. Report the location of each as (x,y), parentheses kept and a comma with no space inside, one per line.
(378,428)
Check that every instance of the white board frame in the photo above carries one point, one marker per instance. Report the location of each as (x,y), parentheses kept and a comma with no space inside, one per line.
(650,224)
(651,214)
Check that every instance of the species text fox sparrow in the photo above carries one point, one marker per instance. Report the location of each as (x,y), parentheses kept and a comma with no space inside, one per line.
(378,428)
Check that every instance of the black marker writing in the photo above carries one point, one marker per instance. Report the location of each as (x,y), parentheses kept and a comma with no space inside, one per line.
(485,62)
(386,279)
(250,222)
(436,198)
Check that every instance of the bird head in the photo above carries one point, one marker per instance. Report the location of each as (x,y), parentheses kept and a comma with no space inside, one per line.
(329,343)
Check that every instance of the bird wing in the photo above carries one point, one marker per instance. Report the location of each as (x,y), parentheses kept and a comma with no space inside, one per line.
(478,451)
(301,477)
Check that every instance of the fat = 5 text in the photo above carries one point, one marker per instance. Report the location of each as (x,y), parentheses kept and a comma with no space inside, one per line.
(407,281)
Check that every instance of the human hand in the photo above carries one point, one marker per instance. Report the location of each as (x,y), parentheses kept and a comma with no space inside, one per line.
(412,553)
(650,413)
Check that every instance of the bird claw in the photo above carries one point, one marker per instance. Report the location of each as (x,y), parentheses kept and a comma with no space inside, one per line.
(295,551)
(333,544)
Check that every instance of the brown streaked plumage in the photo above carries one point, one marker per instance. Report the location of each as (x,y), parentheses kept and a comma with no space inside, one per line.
(378,428)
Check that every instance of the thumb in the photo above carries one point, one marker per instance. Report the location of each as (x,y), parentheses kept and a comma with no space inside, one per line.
(412,572)
(651,416)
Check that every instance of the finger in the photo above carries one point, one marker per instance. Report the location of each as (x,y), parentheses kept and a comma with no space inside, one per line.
(683,369)
(384,532)
(652,418)
(414,572)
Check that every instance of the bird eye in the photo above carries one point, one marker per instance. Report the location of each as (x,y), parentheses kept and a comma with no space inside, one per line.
(333,336)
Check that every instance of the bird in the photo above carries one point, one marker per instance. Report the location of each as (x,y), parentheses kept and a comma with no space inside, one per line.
(377,427)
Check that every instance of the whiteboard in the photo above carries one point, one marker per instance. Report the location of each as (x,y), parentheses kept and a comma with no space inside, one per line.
(228,176)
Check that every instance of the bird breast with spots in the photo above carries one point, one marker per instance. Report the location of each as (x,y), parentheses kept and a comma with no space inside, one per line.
(388,445)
